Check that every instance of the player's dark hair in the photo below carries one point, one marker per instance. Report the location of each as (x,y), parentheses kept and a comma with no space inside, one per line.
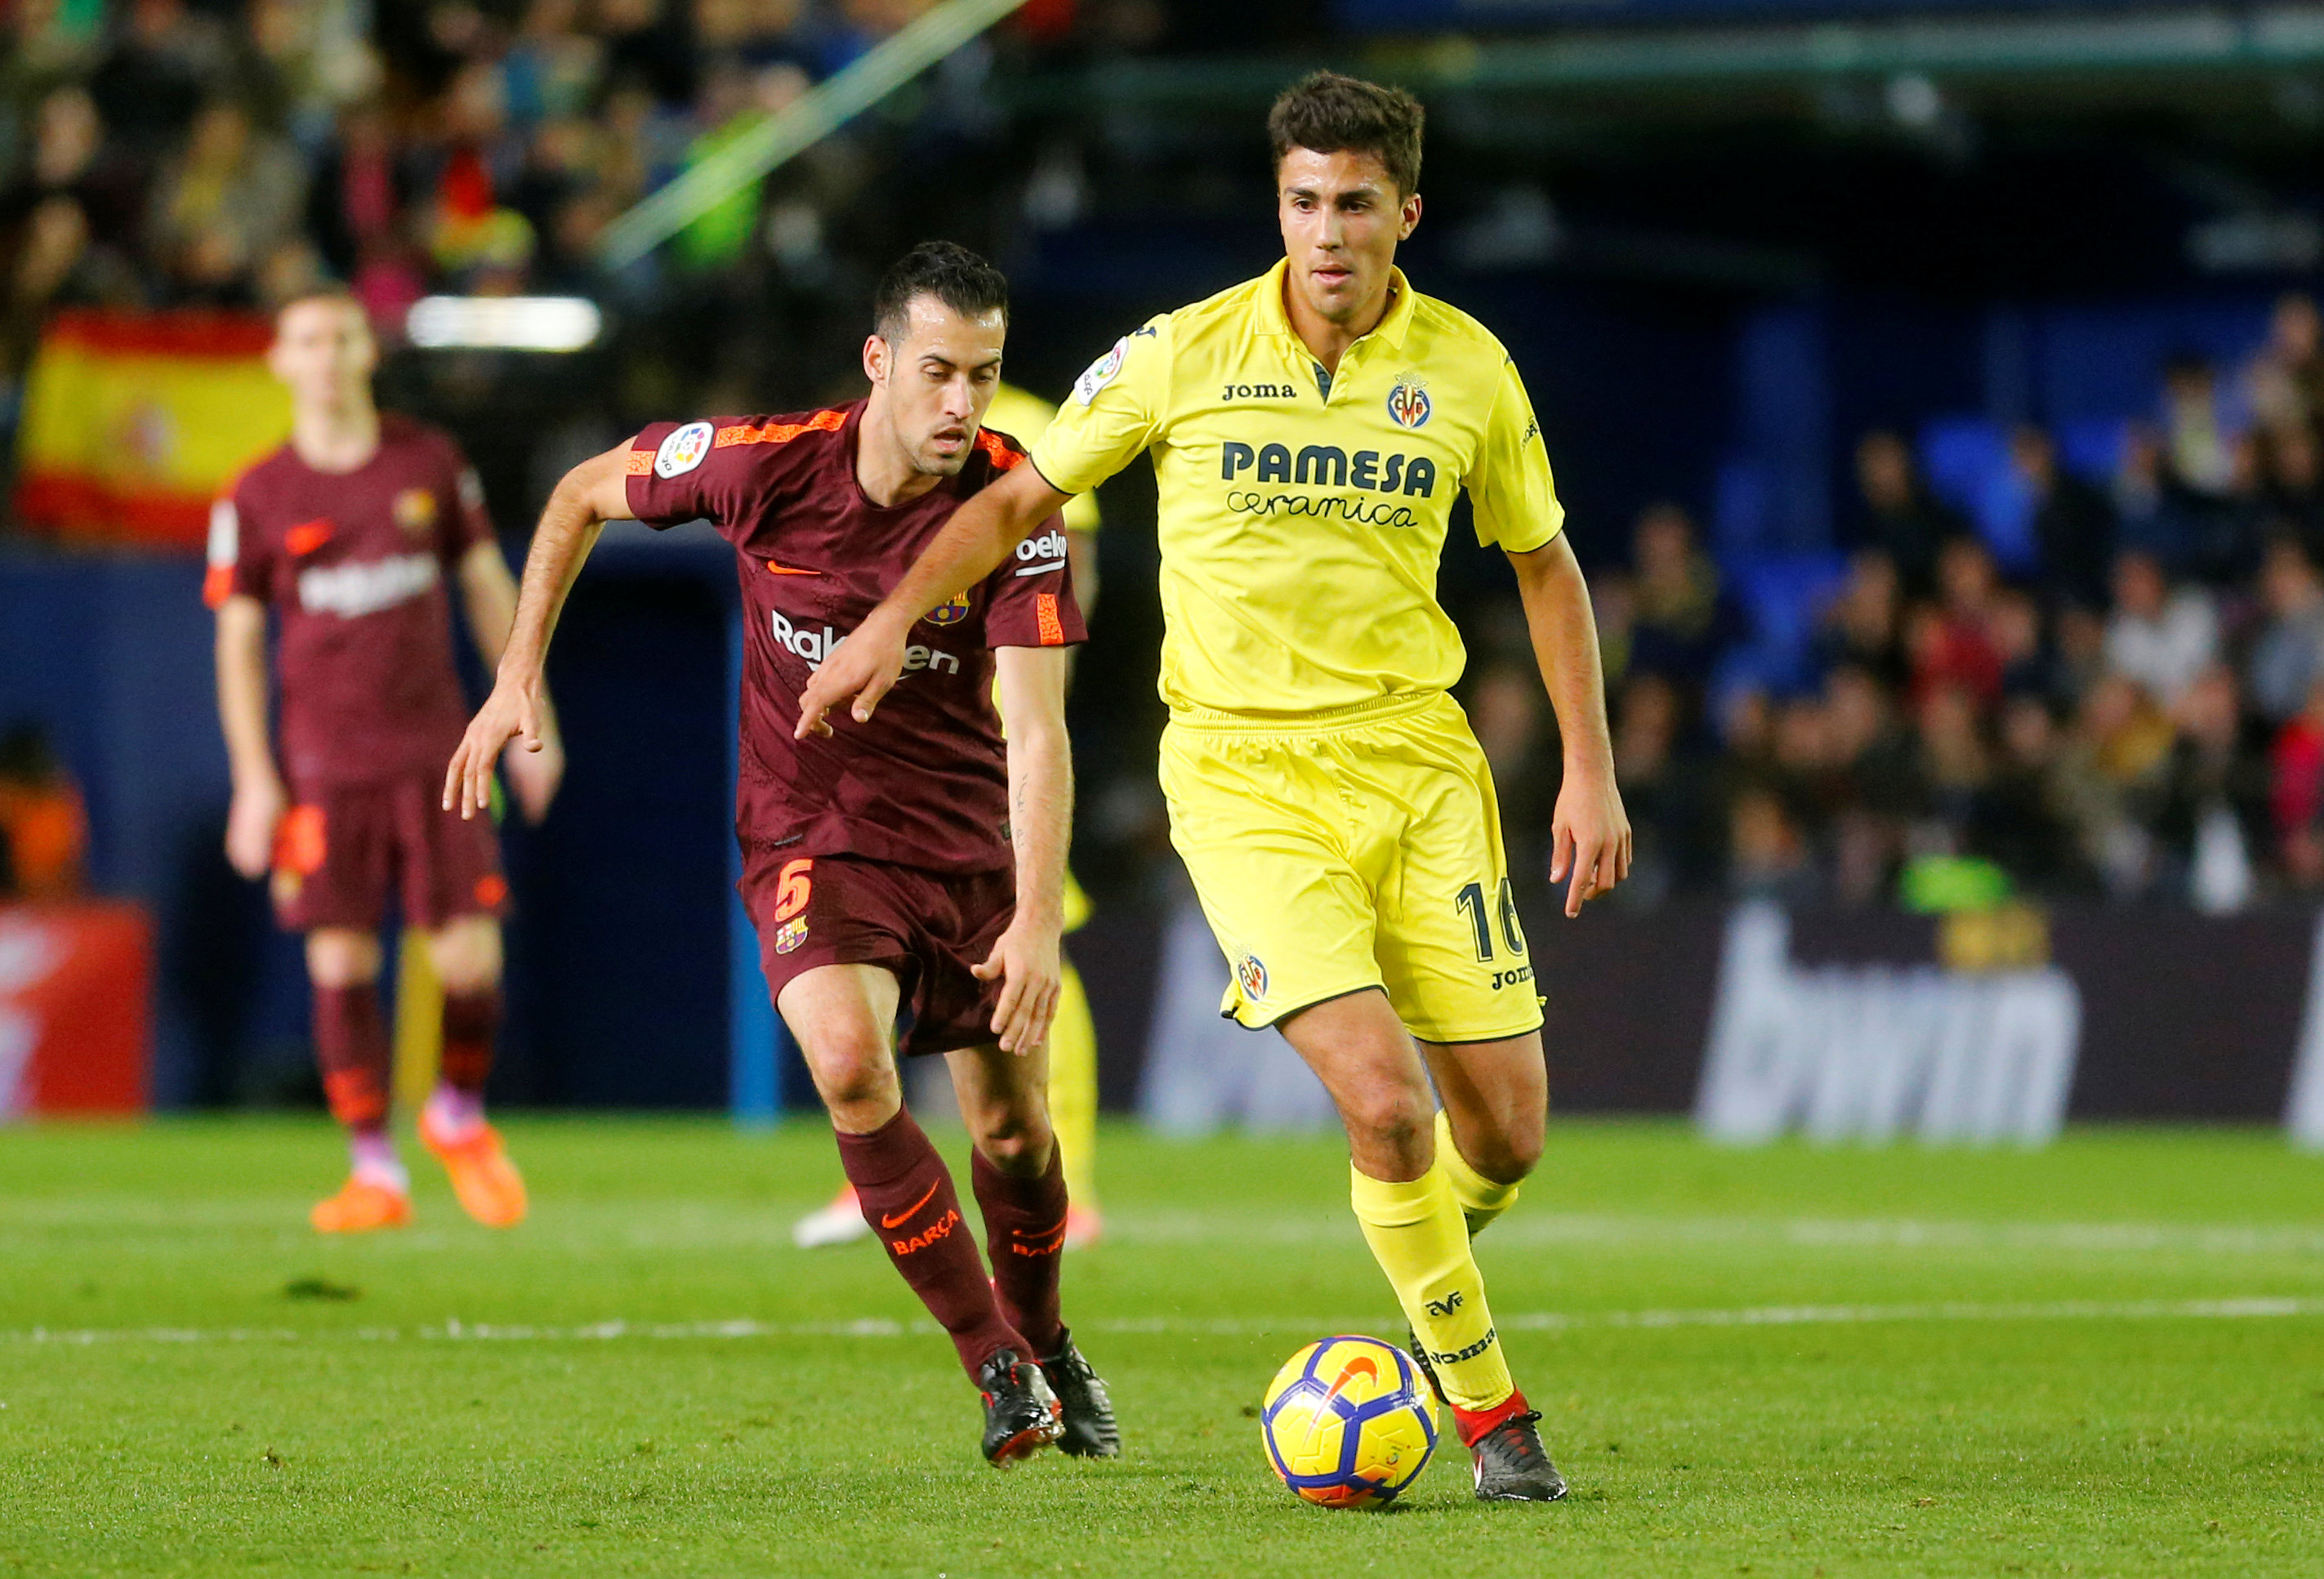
(1328,113)
(946,270)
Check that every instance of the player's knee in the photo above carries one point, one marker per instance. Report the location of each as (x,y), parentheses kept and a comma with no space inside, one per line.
(855,1077)
(342,956)
(1388,1115)
(1014,1138)
(1507,1154)
(466,955)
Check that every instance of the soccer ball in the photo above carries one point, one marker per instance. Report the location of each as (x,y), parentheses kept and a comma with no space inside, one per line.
(1347,1423)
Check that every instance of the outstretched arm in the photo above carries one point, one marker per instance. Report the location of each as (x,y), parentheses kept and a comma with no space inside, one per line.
(980,534)
(489,594)
(589,495)
(259,798)
(1590,833)
(1040,825)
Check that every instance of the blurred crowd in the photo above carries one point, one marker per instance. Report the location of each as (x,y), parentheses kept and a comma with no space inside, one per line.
(2135,710)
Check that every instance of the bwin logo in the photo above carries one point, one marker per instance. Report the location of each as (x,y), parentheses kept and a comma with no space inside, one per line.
(1327,466)
(1446,1305)
(814,646)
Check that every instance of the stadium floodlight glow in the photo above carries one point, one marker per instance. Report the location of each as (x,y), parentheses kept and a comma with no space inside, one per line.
(504,323)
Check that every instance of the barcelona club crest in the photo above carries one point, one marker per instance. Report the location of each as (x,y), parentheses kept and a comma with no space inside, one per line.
(790,935)
(1407,403)
(1251,977)
(950,612)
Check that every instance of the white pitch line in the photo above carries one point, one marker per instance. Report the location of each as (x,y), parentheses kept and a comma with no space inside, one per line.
(456,1331)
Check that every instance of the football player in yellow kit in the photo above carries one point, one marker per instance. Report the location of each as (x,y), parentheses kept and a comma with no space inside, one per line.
(1310,431)
(1073,1035)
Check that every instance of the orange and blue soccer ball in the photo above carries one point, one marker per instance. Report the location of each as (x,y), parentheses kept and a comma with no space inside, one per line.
(1347,1423)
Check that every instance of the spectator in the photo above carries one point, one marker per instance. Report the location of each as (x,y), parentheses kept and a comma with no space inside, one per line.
(1683,621)
(2110,777)
(2296,790)
(2212,794)
(2291,483)
(2153,515)
(1902,516)
(1954,769)
(1880,779)
(1767,859)
(2197,445)
(166,61)
(2158,638)
(1951,642)
(2073,524)
(1861,626)
(2289,652)
(2283,382)
(2017,824)
(223,203)
(1662,793)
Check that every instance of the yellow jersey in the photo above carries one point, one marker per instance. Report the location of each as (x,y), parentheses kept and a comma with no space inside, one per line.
(1301,516)
(1025,417)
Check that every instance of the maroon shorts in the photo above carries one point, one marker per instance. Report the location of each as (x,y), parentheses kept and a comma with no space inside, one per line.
(343,847)
(928,928)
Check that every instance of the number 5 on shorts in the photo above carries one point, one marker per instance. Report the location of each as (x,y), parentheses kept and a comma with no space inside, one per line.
(1472,903)
(794,887)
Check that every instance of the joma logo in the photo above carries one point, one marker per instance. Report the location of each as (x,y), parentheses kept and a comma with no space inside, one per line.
(1258,392)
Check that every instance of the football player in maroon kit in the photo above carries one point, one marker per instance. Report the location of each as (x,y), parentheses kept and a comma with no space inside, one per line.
(912,869)
(346,535)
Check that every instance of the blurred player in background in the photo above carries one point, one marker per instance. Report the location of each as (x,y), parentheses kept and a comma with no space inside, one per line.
(911,876)
(1073,1036)
(1311,429)
(346,535)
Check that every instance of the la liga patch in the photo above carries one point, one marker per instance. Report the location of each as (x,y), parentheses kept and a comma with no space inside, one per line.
(683,450)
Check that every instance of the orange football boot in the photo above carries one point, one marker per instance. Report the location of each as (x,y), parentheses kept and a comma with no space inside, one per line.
(489,1187)
(360,1206)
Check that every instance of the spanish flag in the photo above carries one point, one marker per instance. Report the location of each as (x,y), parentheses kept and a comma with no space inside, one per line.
(134,422)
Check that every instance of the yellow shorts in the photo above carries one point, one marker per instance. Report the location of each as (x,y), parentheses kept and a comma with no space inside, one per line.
(1361,848)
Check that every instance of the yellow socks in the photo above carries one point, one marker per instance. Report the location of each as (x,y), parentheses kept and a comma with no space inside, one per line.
(1481,1199)
(1418,1236)
(1072,1089)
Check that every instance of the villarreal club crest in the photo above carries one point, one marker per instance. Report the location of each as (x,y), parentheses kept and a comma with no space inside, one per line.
(1407,403)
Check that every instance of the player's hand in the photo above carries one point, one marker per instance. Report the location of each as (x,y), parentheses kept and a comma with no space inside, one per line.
(249,827)
(860,670)
(1032,974)
(512,712)
(534,776)
(1591,837)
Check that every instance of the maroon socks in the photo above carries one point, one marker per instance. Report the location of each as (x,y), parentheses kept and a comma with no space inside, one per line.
(1025,1235)
(906,1196)
(471,1021)
(351,1046)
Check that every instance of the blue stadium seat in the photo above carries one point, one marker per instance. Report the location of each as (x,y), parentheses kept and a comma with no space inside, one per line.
(2091,446)
(1782,594)
(1967,462)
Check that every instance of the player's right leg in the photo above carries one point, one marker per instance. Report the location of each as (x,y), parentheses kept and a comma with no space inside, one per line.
(842,1015)
(1403,1196)
(351,1044)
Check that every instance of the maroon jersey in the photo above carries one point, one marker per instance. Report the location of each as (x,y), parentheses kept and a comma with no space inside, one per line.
(353,565)
(925,783)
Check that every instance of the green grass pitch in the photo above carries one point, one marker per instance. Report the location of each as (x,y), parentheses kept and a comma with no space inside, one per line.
(2105,1358)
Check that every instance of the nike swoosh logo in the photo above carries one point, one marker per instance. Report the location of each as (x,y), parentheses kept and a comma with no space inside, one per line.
(899,1220)
(1049,1233)
(775,569)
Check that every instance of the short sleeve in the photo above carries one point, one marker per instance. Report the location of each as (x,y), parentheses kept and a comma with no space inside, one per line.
(717,469)
(1113,415)
(469,522)
(1032,595)
(233,566)
(1509,484)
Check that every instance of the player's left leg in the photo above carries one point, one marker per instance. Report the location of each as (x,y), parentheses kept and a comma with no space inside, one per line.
(1018,1169)
(467,955)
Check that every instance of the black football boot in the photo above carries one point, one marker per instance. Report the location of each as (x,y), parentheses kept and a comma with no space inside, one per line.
(1089,1428)
(1021,1413)
(1512,1465)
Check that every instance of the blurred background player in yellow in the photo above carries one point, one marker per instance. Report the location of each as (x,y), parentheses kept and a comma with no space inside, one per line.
(1073,1035)
(346,536)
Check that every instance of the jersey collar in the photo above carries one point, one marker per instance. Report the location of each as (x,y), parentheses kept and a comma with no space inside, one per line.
(1272,318)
